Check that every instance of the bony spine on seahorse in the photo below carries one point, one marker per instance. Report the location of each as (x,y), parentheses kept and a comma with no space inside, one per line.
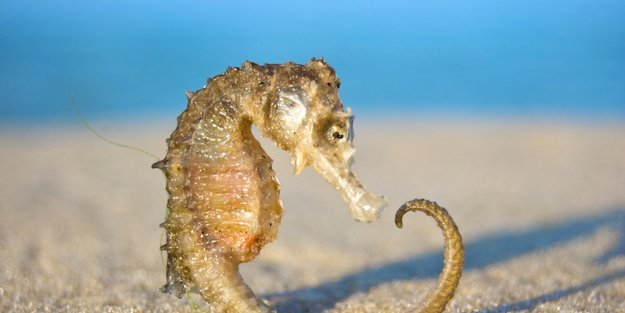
(224,201)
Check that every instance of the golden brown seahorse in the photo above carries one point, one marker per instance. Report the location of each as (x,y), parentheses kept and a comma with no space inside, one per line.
(224,203)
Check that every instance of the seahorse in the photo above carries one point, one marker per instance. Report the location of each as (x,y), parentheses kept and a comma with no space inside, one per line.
(224,203)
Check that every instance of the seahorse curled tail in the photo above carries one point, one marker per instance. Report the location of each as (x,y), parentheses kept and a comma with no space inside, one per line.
(453,253)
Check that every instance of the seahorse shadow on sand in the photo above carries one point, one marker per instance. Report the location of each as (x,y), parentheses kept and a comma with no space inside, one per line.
(480,253)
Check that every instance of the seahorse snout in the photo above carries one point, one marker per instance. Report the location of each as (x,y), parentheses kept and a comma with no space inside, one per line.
(367,207)
(363,205)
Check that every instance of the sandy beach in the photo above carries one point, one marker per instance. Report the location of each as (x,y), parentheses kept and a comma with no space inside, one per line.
(541,207)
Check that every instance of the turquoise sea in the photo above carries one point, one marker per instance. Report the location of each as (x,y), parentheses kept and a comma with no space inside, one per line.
(120,59)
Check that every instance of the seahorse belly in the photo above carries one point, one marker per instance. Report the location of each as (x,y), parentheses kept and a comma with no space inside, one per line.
(230,207)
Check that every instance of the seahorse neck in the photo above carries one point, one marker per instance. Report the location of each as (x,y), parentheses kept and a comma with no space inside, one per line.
(219,116)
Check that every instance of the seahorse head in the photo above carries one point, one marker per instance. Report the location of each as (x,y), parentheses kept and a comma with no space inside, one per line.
(305,117)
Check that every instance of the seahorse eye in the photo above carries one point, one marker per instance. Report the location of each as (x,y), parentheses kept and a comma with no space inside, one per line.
(336,134)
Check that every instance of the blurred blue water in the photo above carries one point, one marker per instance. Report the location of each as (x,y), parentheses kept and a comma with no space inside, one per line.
(532,58)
